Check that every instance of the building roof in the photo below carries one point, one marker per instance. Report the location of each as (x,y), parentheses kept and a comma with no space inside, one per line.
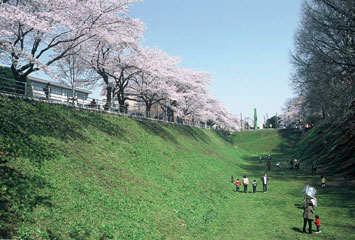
(34,79)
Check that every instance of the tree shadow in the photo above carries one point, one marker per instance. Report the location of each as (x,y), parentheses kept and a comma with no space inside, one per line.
(157,129)
(226,136)
(192,132)
(18,198)
(32,130)
(27,125)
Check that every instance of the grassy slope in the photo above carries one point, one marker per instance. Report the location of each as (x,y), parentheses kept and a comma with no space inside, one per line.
(331,146)
(73,174)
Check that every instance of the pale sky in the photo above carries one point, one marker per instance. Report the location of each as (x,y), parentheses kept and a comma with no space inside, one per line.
(245,44)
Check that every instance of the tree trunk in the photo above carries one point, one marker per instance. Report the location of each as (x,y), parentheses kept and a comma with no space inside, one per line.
(121,102)
(148,106)
(108,92)
(20,84)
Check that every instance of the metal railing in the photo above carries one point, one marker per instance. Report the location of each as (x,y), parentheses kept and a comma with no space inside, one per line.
(25,90)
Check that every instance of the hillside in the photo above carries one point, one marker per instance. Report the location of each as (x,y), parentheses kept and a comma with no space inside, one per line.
(77,174)
(73,174)
(332,146)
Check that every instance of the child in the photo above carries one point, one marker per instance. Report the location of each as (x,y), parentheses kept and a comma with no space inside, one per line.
(323,181)
(237,184)
(268,165)
(317,222)
(254,186)
(232,179)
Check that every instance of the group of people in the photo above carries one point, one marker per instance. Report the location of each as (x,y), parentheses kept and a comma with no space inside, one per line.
(310,202)
(245,182)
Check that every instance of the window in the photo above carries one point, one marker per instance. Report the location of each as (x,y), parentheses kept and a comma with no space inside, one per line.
(38,86)
(81,95)
(68,93)
(57,90)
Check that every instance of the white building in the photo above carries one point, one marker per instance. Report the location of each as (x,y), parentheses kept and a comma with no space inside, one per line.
(59,93)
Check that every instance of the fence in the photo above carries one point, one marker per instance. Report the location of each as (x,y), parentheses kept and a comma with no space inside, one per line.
(25,90)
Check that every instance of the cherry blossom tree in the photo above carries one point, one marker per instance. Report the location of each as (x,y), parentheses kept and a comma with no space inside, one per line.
(34,34)
(112,59)
(155,81)
(126,68)
(293,111)
(73,72)
(191,88)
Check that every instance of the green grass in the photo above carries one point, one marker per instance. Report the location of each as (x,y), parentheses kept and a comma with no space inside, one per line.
(71,174)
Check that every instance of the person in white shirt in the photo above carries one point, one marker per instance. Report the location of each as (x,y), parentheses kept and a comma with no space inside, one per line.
(245,183)
(264,179)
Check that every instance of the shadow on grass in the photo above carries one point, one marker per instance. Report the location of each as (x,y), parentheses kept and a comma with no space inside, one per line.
(157,129)
(31,130)
(18,198)
(25,124)
(299,206)
(192,132)
(226,136)
(296,229)
(341,196)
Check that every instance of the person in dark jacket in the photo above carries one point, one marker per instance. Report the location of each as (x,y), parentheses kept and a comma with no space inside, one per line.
(308,217)
(47,90)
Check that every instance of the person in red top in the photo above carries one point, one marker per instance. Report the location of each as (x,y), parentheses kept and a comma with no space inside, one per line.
(237,184)
(317,222)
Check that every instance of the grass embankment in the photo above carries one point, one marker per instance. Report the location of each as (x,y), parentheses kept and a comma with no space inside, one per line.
(332,146)
(68,174)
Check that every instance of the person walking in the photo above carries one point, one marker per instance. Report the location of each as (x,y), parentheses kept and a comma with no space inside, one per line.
(237,185)
(268,165)
(308,217)
(245,183)
(265,180)
(232,179)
